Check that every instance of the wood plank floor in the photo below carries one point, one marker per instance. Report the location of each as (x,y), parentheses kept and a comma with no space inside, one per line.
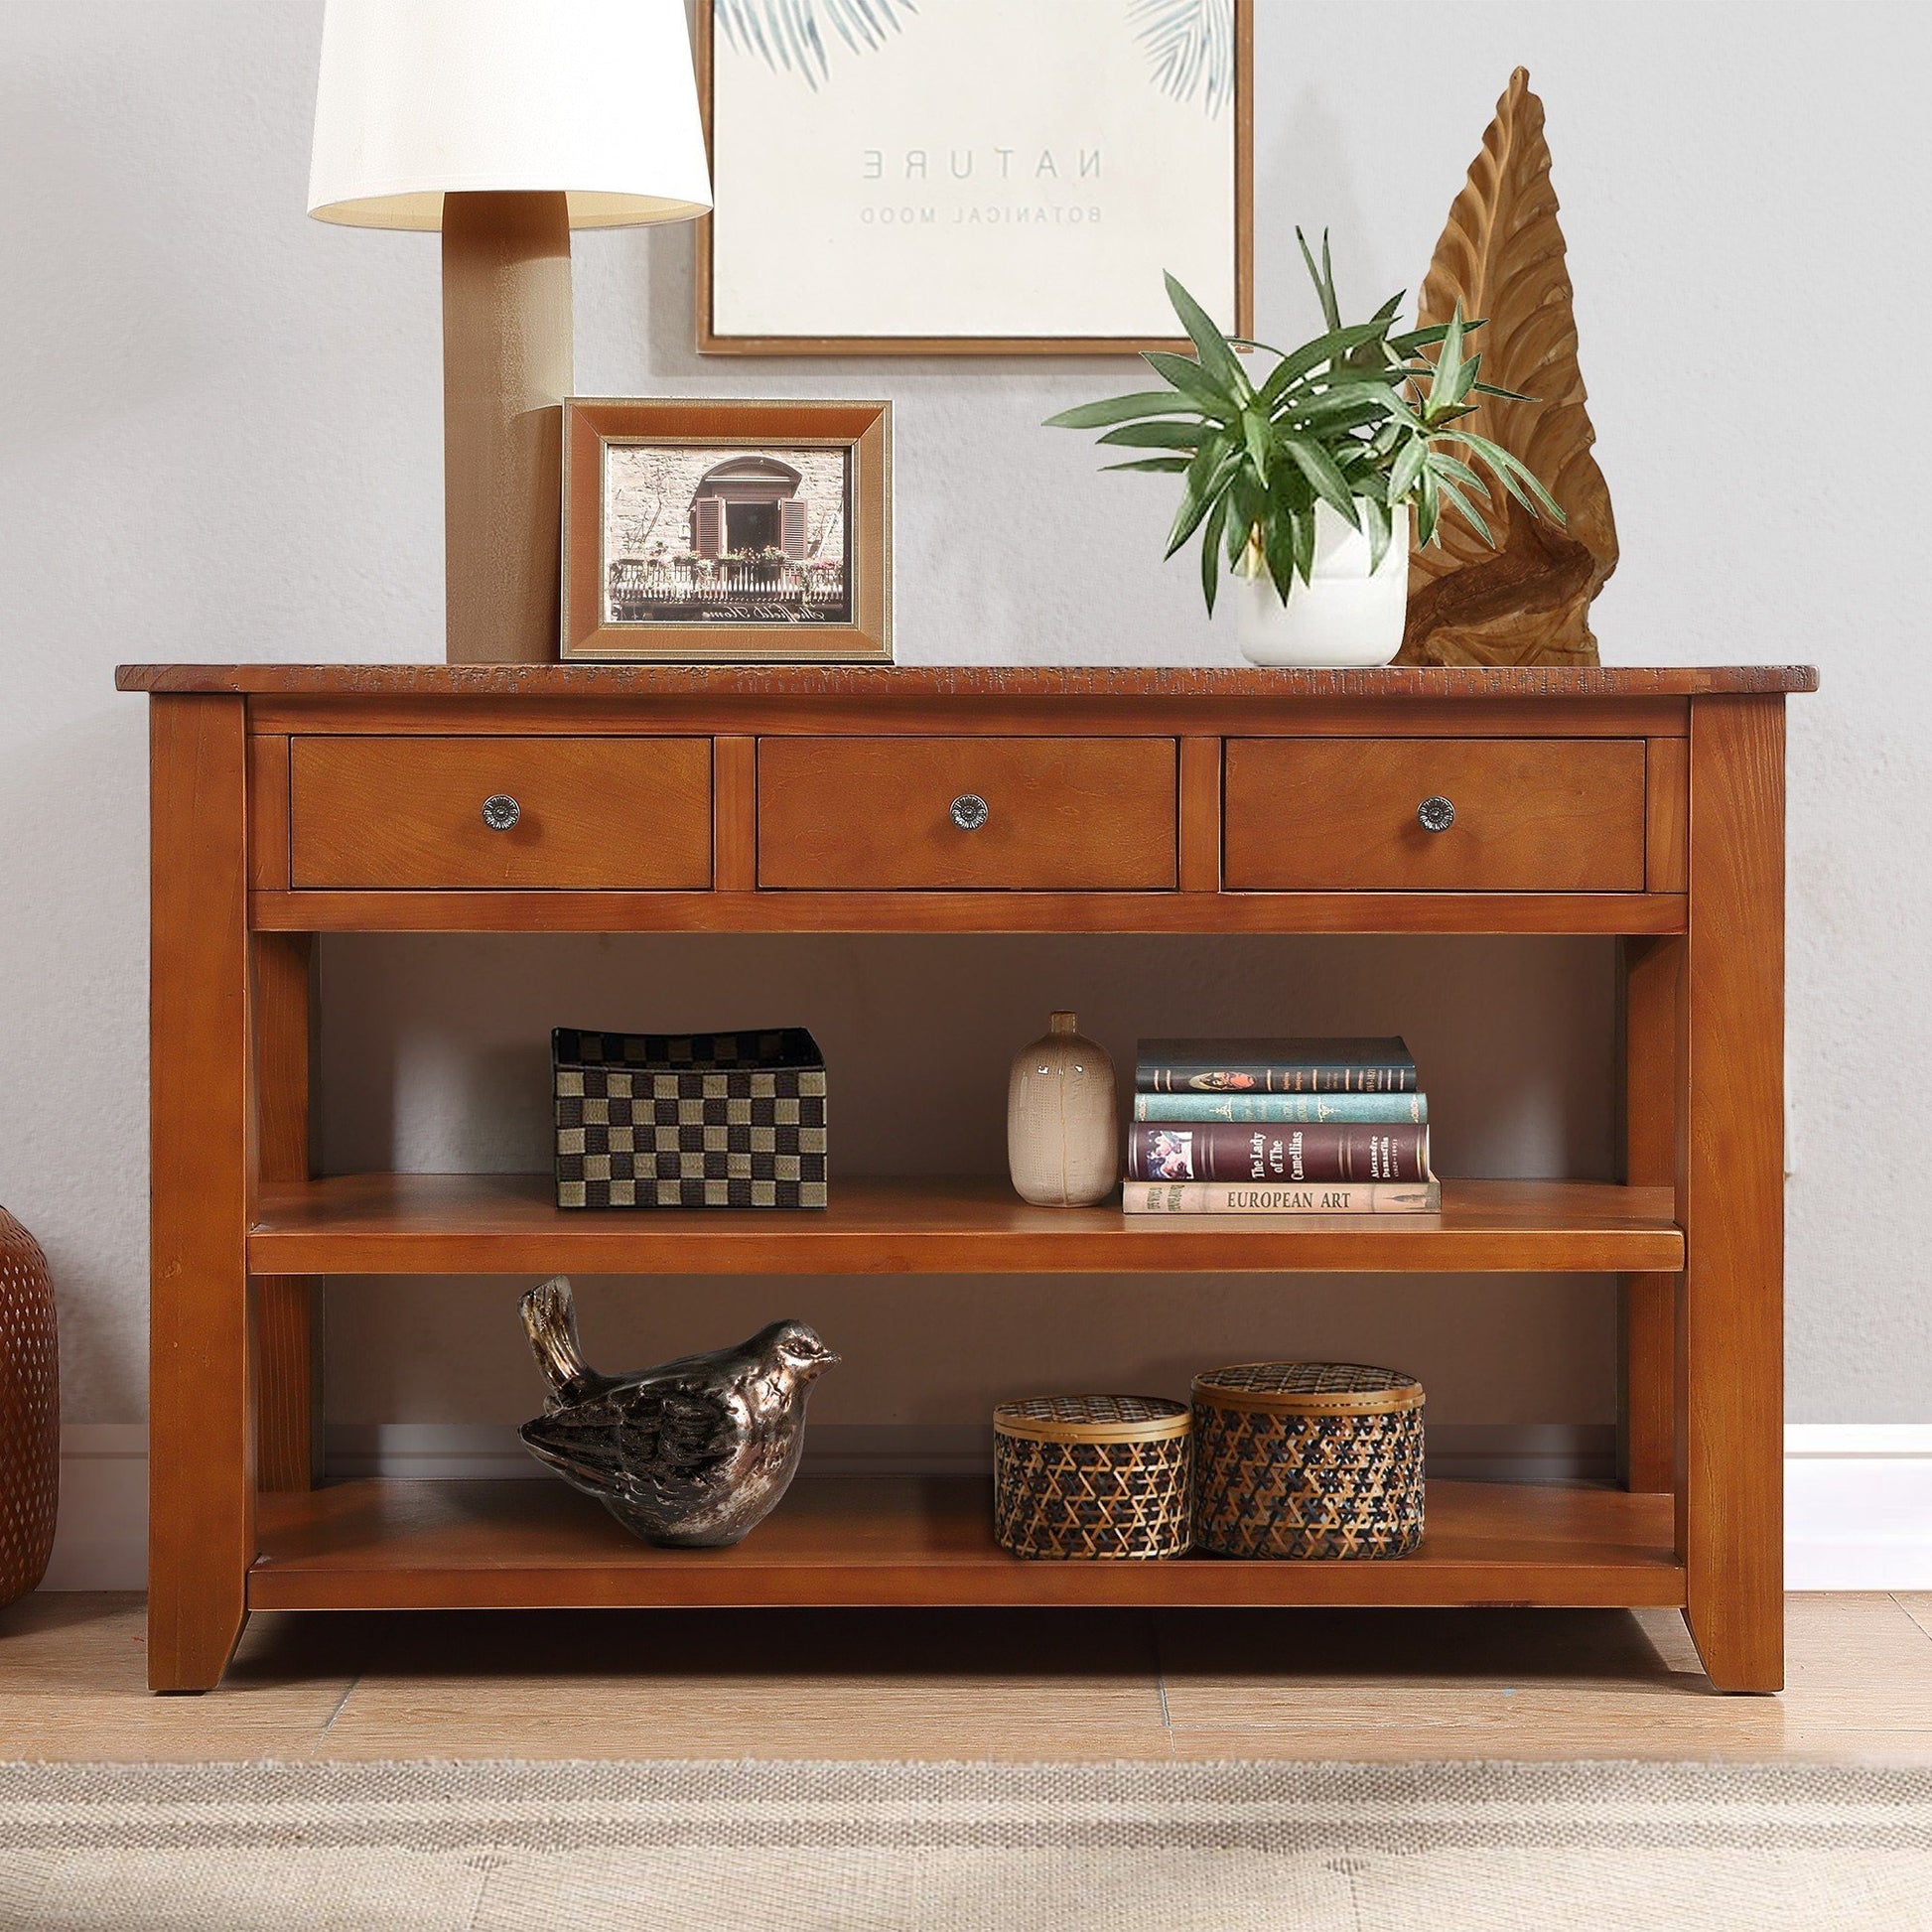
(999,1683)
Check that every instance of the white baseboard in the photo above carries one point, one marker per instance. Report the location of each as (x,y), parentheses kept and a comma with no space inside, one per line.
(1858,1506)
(101,1540)
(1857,1496)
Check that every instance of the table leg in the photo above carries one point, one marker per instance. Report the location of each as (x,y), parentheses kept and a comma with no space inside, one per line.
(1730,1195)
(201,1475)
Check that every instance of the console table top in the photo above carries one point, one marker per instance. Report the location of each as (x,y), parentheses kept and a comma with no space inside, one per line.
(922,681)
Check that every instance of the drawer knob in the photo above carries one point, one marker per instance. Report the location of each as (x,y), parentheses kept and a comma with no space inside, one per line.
(1436,813)
(969,811)
(500,811)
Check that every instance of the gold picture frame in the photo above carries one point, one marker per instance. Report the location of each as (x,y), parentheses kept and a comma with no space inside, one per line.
(726,531)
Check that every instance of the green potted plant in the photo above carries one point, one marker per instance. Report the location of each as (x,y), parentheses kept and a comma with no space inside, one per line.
(1302,481)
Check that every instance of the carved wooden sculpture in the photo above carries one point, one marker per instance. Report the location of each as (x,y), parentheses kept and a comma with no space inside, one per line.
(1502,257)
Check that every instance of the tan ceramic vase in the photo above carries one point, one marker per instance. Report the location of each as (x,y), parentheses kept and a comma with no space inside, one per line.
(1062,1143)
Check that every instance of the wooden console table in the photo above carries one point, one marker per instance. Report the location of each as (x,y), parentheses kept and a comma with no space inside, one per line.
(289,800)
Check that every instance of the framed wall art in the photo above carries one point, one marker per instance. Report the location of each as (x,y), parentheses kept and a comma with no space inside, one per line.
(726,531)
(973,177)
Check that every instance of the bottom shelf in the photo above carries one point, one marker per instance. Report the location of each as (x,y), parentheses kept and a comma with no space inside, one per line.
(518,1545)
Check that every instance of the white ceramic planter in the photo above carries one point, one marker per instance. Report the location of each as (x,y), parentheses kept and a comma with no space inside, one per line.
(1346,616)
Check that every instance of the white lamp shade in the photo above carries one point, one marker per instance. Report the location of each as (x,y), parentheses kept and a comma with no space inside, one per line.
(420,98)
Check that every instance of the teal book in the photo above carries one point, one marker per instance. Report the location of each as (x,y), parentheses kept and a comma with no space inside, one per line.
(1368,1109)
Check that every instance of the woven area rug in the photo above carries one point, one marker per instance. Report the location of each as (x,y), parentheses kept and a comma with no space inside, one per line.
(1087,1848)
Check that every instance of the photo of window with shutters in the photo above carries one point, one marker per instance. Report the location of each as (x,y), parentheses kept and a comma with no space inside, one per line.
(726,530)
(727,534)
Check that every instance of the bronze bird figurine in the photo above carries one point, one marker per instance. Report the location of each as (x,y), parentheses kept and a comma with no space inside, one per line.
(693,1454)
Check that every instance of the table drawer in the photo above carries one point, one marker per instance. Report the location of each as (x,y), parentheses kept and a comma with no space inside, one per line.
(592,814)
(1342,814)
(878,814)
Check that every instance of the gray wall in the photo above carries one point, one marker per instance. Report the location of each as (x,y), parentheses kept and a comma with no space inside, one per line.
(219,438)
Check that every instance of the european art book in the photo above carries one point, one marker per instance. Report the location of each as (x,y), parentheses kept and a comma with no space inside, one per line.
(1228,1198)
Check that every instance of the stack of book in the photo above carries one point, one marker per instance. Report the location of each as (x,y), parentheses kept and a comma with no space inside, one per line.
(1279,1127)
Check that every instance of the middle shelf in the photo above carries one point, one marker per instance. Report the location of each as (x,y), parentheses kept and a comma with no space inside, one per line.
(508,1224)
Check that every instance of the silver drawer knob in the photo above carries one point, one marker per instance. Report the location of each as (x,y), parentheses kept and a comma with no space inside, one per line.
(1436,814)
(969,811)
(500,811)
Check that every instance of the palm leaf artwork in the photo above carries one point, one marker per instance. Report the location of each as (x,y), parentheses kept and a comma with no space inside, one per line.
(1191,46)
(1360,420)
(1525,598)
(791,36)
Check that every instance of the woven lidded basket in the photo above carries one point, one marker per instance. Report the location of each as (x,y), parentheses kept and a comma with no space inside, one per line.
(1307,1460)
(1099,1477)
(693,1120)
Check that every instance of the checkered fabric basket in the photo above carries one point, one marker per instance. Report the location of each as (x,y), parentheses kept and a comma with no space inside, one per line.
(1098,1477)
(693,1120)
(1307,1460)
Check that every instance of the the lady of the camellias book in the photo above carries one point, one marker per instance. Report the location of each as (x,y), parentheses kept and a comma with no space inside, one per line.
(1231,1151)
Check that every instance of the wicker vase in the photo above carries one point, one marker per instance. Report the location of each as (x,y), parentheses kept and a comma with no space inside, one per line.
(30,1412)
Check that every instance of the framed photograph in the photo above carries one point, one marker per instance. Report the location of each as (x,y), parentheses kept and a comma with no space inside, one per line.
(973,177)
(729,531)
